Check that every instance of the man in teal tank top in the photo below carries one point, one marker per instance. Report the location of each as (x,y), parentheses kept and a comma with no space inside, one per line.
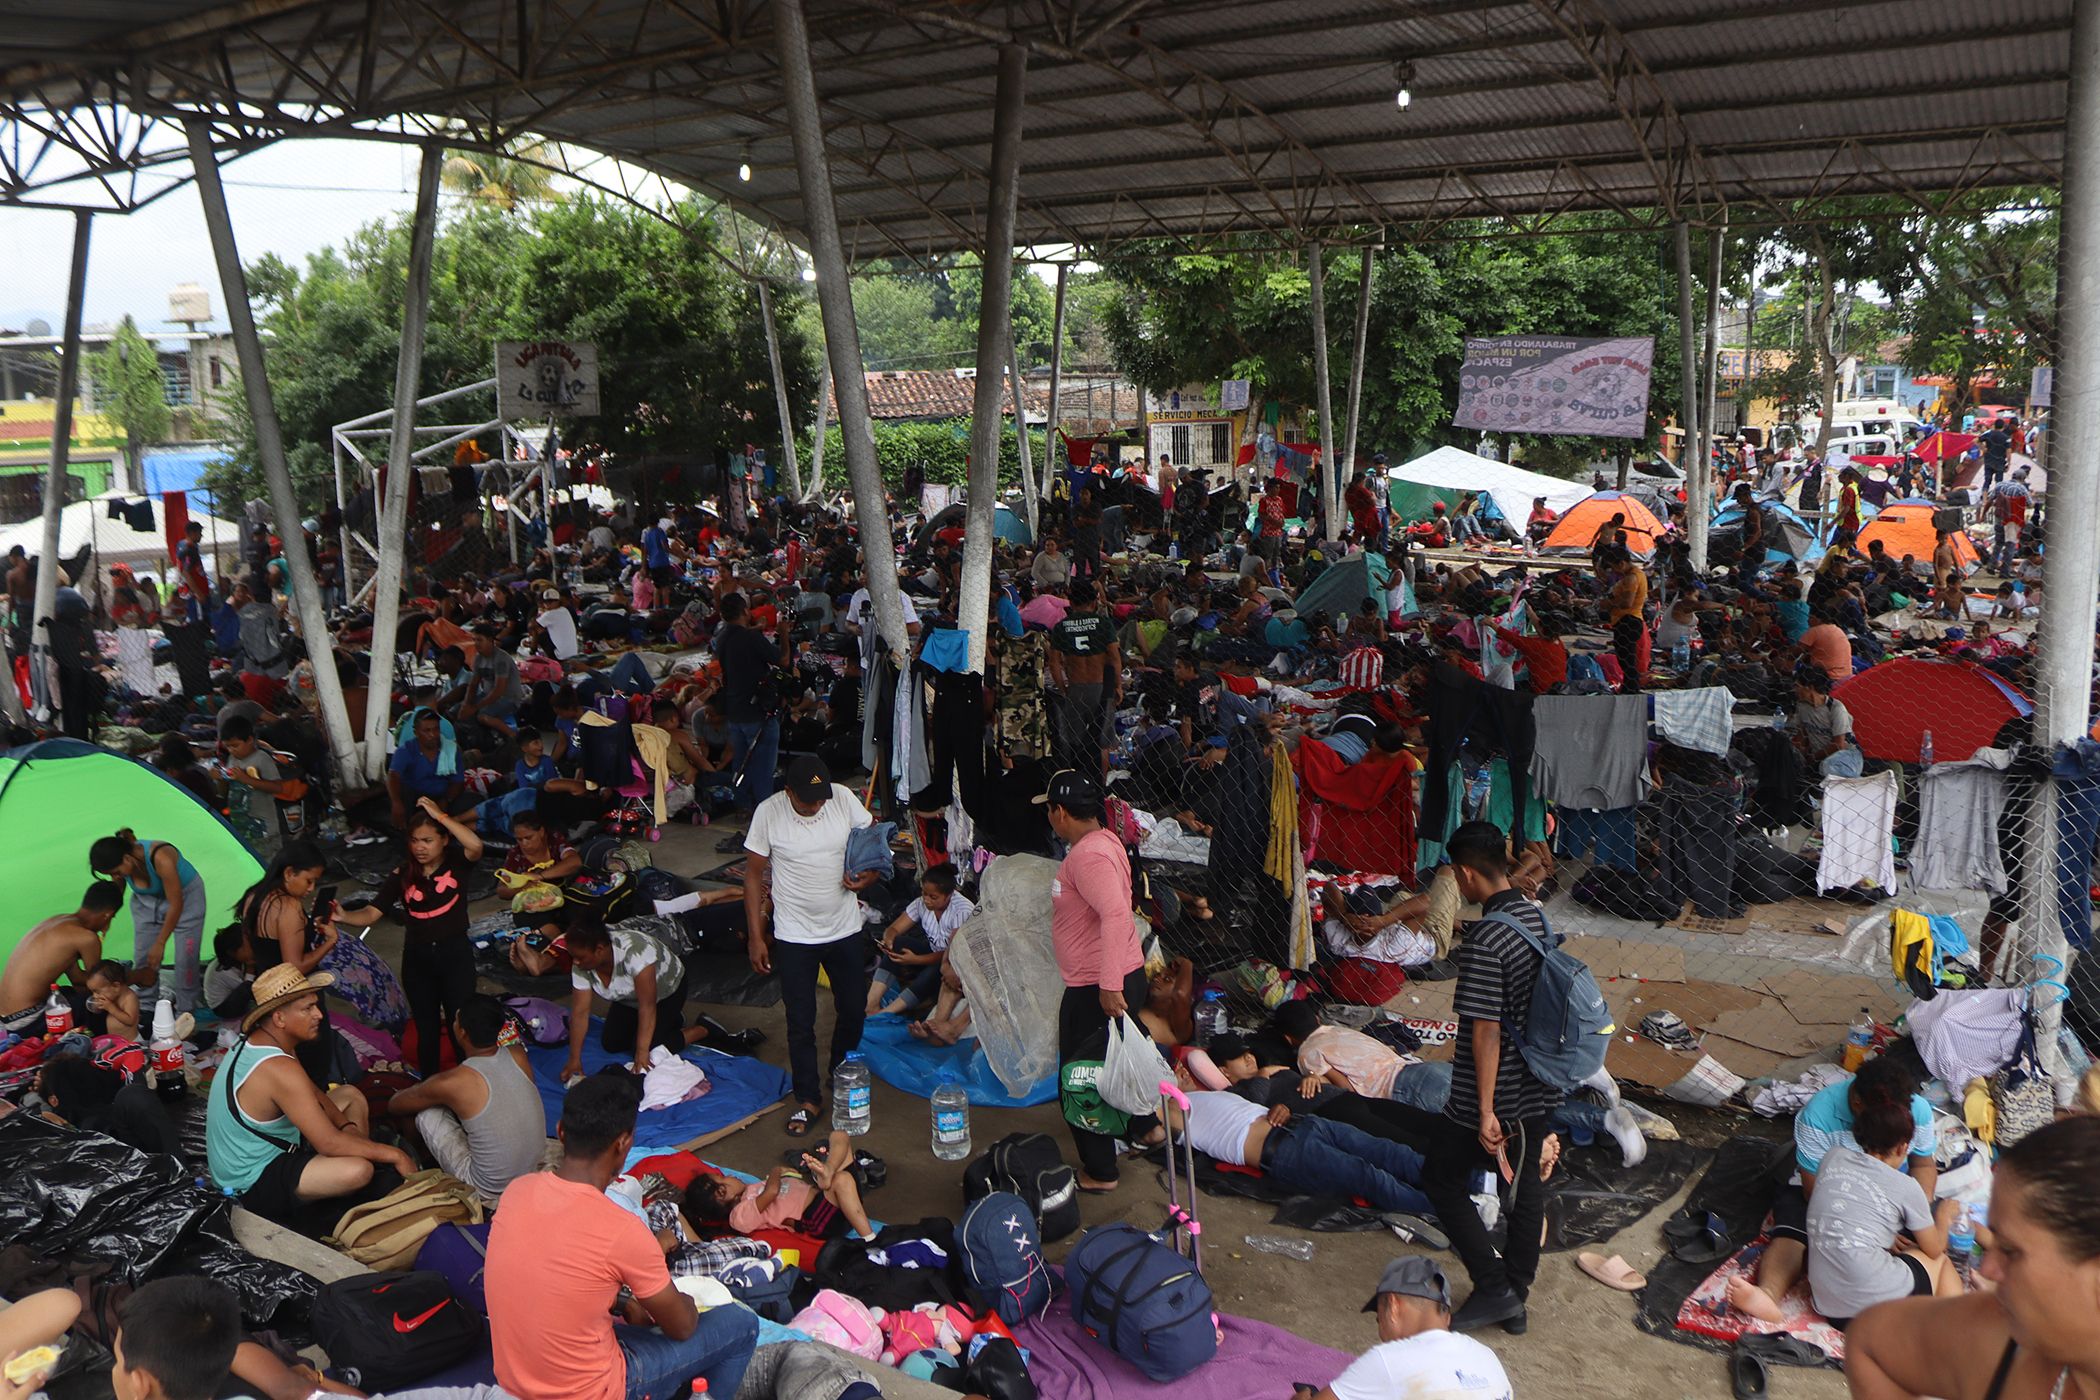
(277,1144)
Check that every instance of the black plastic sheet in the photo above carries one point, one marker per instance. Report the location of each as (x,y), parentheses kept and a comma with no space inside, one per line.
(74,1196)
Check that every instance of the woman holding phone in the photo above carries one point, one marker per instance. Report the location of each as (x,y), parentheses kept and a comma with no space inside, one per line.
(285,923)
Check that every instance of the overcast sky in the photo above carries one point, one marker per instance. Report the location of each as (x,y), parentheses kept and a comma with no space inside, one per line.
(291,199)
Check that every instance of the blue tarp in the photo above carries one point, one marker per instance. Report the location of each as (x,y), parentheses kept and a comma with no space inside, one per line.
(742,1087)
(179,468)
(905,1062)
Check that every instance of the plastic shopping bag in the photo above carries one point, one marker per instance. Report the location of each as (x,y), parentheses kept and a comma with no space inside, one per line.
(1132,1069)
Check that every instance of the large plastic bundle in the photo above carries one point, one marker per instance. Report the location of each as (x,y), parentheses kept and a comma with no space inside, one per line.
(1002,955)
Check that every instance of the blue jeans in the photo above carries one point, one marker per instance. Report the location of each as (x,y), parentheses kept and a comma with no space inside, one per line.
(1847,762)
(1427,1086)
(754,749)
(718,1351)
(1328,1158)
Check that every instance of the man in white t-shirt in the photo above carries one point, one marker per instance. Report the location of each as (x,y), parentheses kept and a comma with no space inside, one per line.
(558,624)
(860,621)
(798,838)
(1416,1356)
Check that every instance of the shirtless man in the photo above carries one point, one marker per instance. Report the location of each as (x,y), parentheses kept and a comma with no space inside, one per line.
(66,945)
(1946,577)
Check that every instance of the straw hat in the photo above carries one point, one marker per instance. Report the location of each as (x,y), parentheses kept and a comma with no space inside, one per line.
(279,985)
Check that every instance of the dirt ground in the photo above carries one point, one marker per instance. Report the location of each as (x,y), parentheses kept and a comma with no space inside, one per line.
(1581,1345)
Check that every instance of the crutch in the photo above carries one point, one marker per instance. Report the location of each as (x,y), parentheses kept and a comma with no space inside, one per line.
(1183,1221)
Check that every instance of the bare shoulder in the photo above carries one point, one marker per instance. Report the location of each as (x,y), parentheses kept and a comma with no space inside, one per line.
(1946,1347)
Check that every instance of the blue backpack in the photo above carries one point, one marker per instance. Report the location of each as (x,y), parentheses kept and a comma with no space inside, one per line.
(1570,1027)
(1002,1256)
(1142,1300)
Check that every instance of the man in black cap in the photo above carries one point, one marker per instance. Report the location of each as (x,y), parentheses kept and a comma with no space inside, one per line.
(800,835)
(1416,1354)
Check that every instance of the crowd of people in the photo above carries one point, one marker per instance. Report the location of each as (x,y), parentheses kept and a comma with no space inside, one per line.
(1156,712)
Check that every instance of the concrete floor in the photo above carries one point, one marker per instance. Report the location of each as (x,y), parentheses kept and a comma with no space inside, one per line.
(1582,1342)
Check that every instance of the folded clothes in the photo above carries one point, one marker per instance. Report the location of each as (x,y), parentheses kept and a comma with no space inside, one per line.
(1667,1029)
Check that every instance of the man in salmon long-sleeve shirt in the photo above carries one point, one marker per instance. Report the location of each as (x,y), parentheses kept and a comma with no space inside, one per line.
(1094,936)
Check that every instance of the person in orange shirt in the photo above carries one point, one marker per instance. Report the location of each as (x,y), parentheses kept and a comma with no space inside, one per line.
(1545,659)
(1628,604)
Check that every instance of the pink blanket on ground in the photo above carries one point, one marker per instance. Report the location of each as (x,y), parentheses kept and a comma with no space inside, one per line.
(1255,1362)
(1708,1313)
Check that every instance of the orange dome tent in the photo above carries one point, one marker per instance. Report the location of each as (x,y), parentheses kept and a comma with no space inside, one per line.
(1905,527)
(1578,528)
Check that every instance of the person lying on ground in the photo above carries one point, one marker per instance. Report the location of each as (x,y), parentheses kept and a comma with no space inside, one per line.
(276,1143)
(482,1120)
(907,972)
(62,947)
(1337,1055)
(1316,1155)
(563,1261)
(1825,1123)
(1169,1010)
(824,1207)
(110,995)
(1417,1353)
(83,1094)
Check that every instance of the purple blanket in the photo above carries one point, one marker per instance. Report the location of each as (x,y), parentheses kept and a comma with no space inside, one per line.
(1257,1361)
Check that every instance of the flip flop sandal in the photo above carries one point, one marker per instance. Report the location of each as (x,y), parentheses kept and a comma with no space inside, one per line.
(801,1122)
(1614,1272)
(1782,1348)
(1747,1375)
(1683,1227)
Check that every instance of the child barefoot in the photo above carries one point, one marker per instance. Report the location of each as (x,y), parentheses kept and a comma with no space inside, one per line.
(110,993)
(824,1207)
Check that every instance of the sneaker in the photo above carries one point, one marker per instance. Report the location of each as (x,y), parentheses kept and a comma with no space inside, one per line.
(1483,1309)
(1627,1133)
(1415,1230)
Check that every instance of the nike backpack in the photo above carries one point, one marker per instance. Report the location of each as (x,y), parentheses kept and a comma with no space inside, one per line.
(388,1331)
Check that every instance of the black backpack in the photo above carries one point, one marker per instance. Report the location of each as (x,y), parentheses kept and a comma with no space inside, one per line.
(1030,1166)
(388,1331)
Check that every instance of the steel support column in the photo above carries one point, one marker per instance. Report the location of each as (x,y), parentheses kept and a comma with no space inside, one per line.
(1019,398)
(1057,365)
(269,447)
(780,394)
(816,447)
(1330,485)
(1710,360)
(1356,355)
(46,599)
(994,351)
(393,513)
(841,337)
(2064,650)
(1696,506)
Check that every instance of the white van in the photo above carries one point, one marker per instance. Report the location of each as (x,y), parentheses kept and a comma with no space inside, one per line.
(1854,417)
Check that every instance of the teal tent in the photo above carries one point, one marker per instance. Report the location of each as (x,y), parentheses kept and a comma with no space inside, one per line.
(1412,500)
(1342,589)
(60,796)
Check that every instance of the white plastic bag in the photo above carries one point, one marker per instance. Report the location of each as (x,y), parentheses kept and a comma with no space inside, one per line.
(1132,1069)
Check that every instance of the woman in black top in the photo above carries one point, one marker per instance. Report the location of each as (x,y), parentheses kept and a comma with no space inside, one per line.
(437,961)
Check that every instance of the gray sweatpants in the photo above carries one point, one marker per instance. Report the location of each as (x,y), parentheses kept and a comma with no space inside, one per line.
(181,974)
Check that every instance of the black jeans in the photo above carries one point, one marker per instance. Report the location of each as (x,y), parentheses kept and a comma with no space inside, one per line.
(1452,1157)
(1082,1027)
(186,643)
(845,962)
(438,977)
(1626,644)
(623,1023)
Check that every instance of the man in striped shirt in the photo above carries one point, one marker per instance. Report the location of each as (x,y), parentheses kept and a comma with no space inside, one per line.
(1496,1118)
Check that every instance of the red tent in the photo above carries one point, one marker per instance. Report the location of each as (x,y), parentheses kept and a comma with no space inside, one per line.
(1893,704)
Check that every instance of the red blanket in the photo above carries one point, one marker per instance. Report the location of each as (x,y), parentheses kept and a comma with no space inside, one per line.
(1363,814)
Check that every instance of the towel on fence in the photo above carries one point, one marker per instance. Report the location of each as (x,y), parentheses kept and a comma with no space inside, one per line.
(1696,719)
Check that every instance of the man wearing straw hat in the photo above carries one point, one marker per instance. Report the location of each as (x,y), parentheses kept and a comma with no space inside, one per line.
(276,1143)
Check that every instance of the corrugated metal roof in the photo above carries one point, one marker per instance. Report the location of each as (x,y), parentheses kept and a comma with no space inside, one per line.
(1190,117)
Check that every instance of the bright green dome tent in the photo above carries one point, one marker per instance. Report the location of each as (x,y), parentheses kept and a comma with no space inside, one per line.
(60,796)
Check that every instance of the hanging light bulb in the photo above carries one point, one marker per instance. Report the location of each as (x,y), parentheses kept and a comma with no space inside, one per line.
(743,169)
(1403,81)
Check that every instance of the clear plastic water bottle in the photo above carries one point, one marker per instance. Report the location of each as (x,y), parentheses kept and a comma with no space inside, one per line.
(1925,750)
(1961,1243)
(1301,1250)
(1681,655)
(951,1121)
(1858,1038)
(851,1095)
(1210,1016)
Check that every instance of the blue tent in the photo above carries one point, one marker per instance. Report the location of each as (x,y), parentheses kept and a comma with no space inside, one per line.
(1787,535)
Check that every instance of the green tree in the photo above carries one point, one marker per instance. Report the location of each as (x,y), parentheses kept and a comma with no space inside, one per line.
(504,182)
(894,316)
(129,388)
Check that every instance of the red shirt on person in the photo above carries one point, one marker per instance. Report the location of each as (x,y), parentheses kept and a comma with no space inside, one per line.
(1272,516)
(1545,658)
(1092,930)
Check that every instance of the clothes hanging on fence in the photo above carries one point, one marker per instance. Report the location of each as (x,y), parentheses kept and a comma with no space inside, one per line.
(1859,817)
(2077,771)
(1781,795)
(910,761)
(1958,809)
(137,514)
(1696,719)
(1697,827)
(878,713)
(1481,791)
(1611,832)
(1284,859)
(955,741)
(1021,726)
(1459,705)
(1592,749)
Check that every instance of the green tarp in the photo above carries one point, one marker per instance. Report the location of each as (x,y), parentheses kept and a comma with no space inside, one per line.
(59,797)
(1342,589)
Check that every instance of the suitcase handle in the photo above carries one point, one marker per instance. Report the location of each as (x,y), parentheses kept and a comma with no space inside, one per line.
(1173,1091)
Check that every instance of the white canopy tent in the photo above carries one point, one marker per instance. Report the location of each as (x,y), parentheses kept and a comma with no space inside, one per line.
(1513,488)
(115,542)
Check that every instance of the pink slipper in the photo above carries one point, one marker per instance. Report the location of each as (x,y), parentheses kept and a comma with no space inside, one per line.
(1614,1272)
